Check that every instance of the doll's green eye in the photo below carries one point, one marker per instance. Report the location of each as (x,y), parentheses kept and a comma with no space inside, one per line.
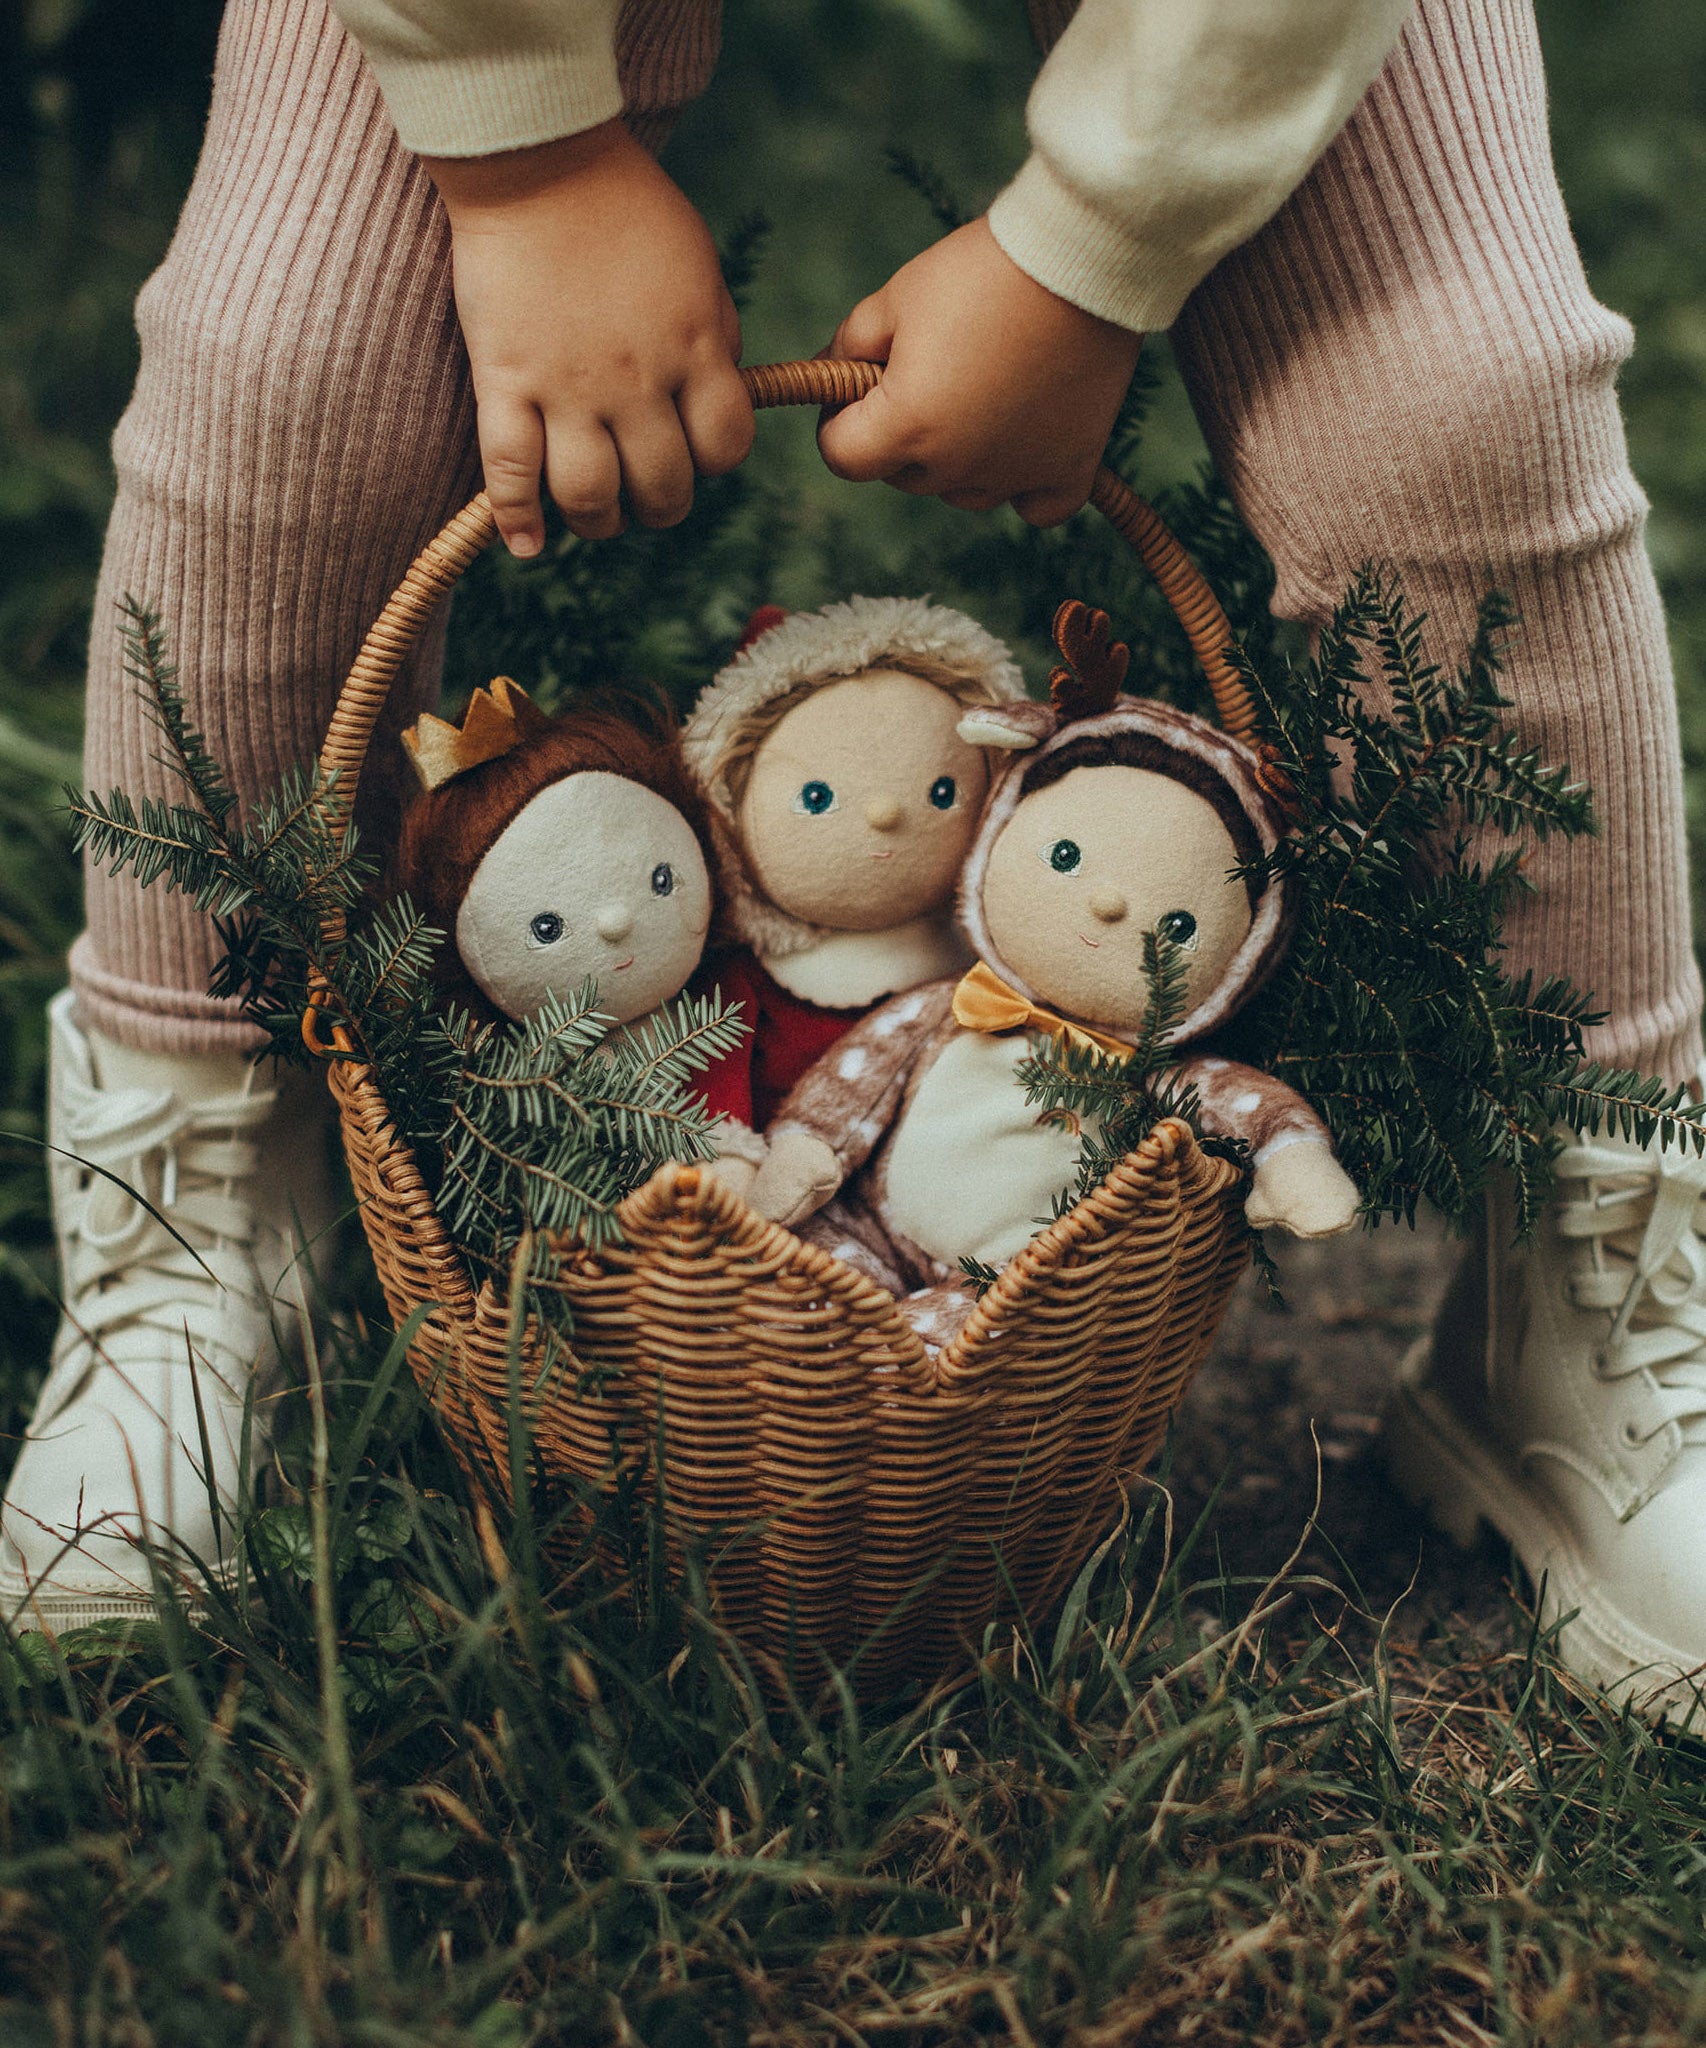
(546,929)
(943,791)
(1065,856)
(815,799)
(663,879)
(1177,927)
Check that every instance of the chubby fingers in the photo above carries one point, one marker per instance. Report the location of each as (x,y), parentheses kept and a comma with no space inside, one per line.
(641,458)
(868,441)
(512,452)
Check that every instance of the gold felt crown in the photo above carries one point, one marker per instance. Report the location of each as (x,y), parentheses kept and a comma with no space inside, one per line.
(496,720)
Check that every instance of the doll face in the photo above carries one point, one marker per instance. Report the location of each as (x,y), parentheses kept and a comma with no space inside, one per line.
(596,876)
(861,803)
(1089,864)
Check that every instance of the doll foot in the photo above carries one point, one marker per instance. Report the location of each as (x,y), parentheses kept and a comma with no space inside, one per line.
(1302,1189)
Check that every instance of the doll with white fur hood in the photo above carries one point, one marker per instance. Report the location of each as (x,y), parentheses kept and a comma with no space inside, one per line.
(1112,816)
(842,798)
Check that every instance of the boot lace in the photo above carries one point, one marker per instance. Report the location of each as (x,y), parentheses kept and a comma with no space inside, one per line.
(158,1230)
(1638,1219)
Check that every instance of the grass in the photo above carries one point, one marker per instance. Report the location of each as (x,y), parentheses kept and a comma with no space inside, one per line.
(417,1796)
(450,1805)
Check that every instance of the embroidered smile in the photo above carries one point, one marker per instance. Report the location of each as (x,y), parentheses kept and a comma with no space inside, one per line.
(1096,943)
(617,969)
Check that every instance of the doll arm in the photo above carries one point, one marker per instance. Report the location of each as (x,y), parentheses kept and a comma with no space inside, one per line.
(839,1110)
(1297,1184)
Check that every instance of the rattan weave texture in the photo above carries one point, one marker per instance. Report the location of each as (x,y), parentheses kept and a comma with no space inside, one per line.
(860,1497)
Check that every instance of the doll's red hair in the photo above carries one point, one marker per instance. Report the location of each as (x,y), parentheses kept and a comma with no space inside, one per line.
(449,830)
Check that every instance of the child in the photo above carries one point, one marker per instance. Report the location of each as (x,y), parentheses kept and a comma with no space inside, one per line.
(1389,340)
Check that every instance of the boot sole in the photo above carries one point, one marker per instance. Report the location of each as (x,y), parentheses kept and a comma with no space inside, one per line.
(51,1610)
(1463,1487)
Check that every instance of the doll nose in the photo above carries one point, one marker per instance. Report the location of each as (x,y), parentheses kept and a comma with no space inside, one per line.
(614,922)
(1109,905)
(882,814)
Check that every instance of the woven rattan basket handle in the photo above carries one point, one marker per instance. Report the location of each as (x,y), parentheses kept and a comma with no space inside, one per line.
(450,552)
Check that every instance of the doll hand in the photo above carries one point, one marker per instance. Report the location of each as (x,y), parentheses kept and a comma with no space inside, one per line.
(1304,1190)
(798,1176)
(602,339)
(995,388)
(735,1175)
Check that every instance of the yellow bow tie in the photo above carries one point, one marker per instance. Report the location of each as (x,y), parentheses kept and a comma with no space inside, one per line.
(984,1002)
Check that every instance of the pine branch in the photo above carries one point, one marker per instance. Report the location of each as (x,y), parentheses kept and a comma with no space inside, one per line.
(146,663)
(930,186)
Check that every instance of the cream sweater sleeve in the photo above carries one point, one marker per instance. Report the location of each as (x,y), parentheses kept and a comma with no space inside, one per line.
(466,79)
(1165,132)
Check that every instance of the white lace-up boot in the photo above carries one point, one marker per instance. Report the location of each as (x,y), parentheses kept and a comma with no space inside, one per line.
(184,1190)
(1562,1399)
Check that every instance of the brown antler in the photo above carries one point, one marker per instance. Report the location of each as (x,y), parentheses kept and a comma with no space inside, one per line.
(1095,663)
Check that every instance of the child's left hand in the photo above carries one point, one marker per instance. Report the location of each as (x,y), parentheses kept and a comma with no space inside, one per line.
(995,389)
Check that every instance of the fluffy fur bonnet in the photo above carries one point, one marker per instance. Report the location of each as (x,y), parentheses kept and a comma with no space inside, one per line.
(802,652)
(1141,732)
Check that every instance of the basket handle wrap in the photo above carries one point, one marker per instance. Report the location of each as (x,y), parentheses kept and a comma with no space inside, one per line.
(443,560)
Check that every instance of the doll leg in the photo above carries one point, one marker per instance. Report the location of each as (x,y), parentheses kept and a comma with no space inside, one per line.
(938,1313)
(1407,364)
(855,1237)
(302,423)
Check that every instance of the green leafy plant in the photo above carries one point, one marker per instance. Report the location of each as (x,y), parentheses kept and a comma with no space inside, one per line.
(531,1133)
(1395,1011)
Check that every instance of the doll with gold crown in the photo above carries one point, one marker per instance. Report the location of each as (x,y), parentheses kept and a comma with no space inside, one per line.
(553,851)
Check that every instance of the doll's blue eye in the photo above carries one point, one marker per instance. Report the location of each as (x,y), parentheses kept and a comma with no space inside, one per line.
(663,879)
(1065,856)
(546,928)
(943,791)
(815,799)
(1178,927)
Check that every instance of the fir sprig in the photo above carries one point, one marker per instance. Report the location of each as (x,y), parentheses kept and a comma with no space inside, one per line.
(1395,1012)
(531,1133)
(1116,1102)
(551,1124)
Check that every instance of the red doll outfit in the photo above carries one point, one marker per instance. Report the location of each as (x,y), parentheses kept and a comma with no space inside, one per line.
(803,985)
(787,1033)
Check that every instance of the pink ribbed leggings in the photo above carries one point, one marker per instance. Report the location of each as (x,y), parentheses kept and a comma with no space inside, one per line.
(1406,364)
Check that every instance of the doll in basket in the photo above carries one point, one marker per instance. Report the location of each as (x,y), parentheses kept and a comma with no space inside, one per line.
(842,799)
(910,1144)
(554,850)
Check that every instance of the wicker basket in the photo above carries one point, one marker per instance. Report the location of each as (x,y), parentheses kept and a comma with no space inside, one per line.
(863,1498)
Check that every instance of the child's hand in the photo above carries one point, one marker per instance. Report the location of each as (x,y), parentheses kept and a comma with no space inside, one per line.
(995,388)
(602,339)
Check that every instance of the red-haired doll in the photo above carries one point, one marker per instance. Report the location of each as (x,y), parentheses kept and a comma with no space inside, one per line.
(554,850)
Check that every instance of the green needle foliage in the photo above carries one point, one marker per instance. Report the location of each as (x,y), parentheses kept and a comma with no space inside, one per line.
(556,1121)
(1115,1103)
(1395,1012)
(531,1133)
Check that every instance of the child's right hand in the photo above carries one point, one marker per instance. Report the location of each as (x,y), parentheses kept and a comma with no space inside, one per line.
(602,339)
